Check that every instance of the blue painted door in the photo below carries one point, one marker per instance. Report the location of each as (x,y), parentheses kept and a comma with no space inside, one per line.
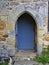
(25,29)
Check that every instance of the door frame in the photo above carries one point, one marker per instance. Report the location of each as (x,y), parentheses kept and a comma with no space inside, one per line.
(35,38)
(17,32)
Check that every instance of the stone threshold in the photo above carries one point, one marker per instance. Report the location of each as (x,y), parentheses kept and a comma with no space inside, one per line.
(25,55)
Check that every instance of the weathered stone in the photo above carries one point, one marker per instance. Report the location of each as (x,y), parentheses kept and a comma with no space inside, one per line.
(11,10)
(14,3)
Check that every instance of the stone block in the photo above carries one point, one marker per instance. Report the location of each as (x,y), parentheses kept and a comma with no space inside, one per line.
(11,52)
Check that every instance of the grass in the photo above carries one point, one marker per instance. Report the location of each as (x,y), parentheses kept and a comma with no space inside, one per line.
(44,58)
(4,63)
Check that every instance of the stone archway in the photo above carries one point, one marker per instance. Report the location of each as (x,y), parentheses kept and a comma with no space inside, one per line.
(17,12)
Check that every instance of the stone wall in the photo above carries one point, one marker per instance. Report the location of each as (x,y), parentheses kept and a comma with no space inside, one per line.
(9,14)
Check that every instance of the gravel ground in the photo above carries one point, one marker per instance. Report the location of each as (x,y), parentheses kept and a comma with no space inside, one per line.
(28,63)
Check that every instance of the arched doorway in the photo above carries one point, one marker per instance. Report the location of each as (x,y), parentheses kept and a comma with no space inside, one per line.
(26,32)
